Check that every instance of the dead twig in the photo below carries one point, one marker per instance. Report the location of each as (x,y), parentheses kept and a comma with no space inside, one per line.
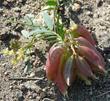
(25,78)
(102,94)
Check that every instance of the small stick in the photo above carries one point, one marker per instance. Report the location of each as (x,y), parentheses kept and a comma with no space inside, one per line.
(24,78)
(103,94)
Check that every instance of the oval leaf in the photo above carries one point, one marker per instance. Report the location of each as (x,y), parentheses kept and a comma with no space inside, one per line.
(48,21)
(25,33)
(68,71)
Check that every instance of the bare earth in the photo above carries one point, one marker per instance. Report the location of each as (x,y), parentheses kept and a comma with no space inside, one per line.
(94,14)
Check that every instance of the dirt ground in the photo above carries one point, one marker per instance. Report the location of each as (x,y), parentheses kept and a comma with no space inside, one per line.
(94,14)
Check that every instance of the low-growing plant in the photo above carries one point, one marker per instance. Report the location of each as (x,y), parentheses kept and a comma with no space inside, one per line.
(72,53)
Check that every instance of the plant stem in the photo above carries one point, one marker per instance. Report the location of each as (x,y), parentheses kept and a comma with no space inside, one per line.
(74,53)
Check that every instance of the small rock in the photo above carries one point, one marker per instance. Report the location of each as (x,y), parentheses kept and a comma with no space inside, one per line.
(108,60)
(107,19)
(17,9)
(4,64)
(11,87)
(99,3)
(38,98)
(96,15)
(44,89)
(43,94)
(6,73)
(89,14)
(76,7)
(33,57)
(31,85)
(108,96)
(35,62)
(103,27)
(14,82)
(34,95)
(30,97)
(47,99)
(79,1)
(32,74)
(20,96)
(1,10)
(23,88)
(91,92)
(21,1)
(9,0)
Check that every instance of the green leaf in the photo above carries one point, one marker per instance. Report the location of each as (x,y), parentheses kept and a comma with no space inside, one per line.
(52,41)
(41,33)
(61,31)
(25,33)
(28,66)
(39,30)
(28,19)
(48,8)
(51,37)
(51,3)
(48,21)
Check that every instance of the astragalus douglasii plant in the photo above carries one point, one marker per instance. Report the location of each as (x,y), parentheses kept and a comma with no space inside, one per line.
(72,53)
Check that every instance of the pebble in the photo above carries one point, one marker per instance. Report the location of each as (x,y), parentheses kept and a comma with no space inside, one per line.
(17,9)
(44,89)
(89,13)
(21,0)
(1,10)
(43,94)
(20,96)
(96,15)
(32,74)
(34,95)
(33,58)
(47,99)
(99,3)
(4,64)
(9,0)
(76,7)
(107,19)
(14,82)
(91,92)
(108,96)
(103,27)
(6,73)
(108,60)
(11,87)
(30,97)
(38,98)
(31,85)
(35,62)
(22,87)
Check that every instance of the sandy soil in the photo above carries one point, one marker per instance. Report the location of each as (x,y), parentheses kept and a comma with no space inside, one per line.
(94,14)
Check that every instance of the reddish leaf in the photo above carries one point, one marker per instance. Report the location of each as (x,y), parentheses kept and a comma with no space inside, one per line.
(83,67)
